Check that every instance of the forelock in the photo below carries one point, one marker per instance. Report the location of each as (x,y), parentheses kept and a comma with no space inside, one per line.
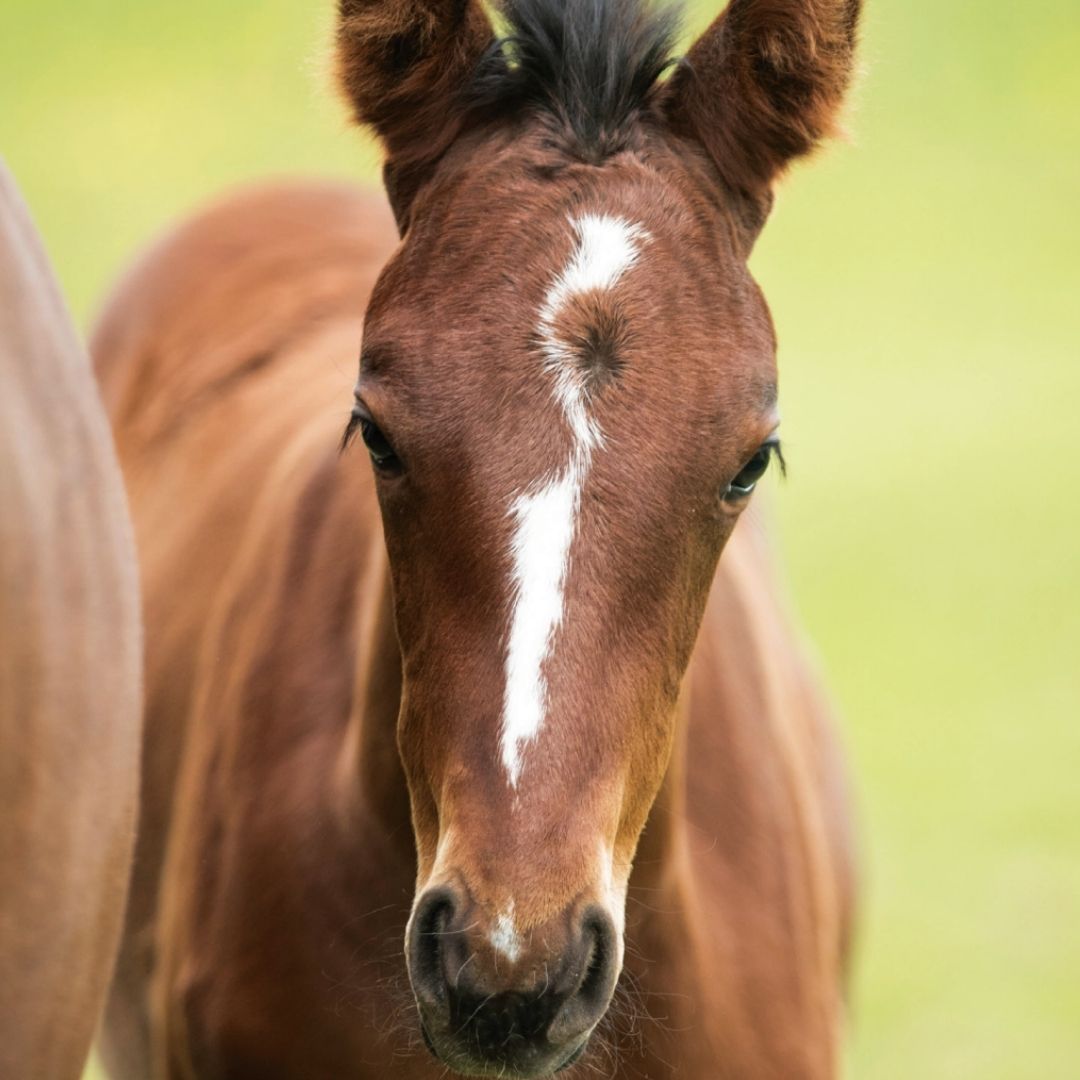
(592,65)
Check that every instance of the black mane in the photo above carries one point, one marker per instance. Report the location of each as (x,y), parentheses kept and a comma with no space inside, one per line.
(590,63)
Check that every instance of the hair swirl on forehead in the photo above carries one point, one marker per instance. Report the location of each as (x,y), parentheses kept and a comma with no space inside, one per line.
(592,64)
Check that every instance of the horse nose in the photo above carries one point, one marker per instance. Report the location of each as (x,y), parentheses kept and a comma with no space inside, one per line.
(528,1013)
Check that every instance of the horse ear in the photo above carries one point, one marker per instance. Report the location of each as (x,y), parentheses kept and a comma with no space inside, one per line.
(405,66)
(764,85)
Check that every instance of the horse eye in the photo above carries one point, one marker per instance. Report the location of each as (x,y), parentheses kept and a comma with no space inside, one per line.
(749,475)
(383,455)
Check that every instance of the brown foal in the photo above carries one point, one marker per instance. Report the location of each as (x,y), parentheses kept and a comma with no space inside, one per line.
(69,674)
(487,693)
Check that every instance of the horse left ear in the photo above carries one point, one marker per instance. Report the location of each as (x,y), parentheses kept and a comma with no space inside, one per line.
(405,66)
(764,85)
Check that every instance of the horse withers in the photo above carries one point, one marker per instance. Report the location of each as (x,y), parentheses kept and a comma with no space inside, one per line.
(487,692)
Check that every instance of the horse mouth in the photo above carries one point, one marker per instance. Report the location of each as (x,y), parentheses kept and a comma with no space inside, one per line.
(503,1067)
(427,1040)
(574,1058)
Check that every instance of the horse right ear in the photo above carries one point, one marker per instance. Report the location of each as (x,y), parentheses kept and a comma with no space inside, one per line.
(764,85)
(405,67)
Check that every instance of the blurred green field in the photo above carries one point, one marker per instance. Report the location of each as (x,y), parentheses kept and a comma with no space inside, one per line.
(925,279)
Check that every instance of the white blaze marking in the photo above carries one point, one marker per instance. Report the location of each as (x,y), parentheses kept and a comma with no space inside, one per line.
(545,517)
(505,938)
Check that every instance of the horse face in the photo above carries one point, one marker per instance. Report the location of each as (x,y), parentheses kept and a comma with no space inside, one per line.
(568,393)
(566,384)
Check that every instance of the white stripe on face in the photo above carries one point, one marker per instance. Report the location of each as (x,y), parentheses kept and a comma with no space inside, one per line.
(504,938)
(545,517)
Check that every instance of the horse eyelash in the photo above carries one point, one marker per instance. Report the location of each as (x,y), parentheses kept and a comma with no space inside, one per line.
(351,428)
(778,453)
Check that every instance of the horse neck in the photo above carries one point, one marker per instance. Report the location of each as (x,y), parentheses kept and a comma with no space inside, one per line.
(662,853)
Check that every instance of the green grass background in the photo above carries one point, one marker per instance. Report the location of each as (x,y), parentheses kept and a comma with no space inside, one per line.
(925,279)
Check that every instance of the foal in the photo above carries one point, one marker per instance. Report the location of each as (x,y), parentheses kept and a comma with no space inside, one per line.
(487,693)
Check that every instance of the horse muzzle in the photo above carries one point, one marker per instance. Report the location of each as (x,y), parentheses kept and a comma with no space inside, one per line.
(496,1001)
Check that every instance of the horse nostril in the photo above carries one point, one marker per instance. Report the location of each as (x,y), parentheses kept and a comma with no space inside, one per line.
(433,915)
(599,972)
(598,984)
